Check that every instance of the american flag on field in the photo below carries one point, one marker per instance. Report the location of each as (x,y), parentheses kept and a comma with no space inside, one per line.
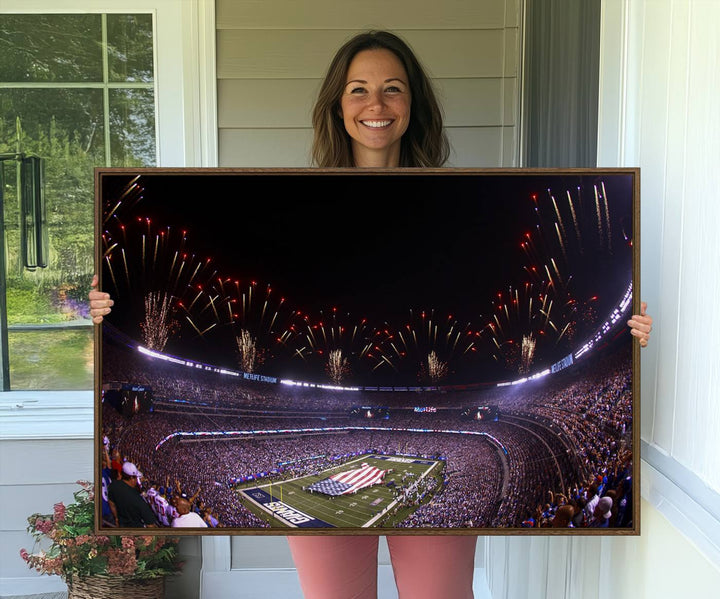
(349,481)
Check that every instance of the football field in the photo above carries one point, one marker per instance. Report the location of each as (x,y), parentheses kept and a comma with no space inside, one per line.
(288,503)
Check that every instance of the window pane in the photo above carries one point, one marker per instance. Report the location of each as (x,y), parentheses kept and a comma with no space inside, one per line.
(50,333)
(65,128)
(130,48)
(53,359)
(52,122)
(37,48)
(132,127)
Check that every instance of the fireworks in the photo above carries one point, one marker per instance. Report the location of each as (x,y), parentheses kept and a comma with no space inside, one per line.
(338,339)
(159,323)
(337,367)
(129,195)
(527,353)
(434,369)
(425,339)
(528,312)
(182,287)
(544,310)
(255,312)
(175,293)
(153,264)
(248,351)
(574,219)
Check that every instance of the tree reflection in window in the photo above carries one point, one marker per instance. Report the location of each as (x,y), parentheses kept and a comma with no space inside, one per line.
(77,90)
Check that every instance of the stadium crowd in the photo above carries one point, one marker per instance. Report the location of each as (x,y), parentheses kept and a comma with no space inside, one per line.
(560,443)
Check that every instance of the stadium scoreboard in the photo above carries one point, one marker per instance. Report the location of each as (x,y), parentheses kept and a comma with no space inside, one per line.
(127,398)
(370,412)
(485,413)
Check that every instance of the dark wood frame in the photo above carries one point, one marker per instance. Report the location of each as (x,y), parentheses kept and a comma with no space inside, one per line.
(407,177)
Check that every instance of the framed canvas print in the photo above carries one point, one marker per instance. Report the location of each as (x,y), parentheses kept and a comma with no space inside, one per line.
(344,351)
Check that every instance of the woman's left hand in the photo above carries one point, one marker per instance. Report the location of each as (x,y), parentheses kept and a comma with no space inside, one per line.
(641,325)
(100,303)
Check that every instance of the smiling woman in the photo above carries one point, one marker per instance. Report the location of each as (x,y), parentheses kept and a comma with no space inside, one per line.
(375,107)
(365,104)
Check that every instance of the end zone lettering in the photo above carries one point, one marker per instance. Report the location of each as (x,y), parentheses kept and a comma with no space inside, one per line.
(287,513)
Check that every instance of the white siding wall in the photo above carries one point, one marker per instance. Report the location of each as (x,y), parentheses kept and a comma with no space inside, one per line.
(36,474)
(672,131)
(660,80)
(271,58)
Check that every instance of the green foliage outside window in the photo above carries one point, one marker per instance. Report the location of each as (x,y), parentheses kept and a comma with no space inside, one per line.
(76,90)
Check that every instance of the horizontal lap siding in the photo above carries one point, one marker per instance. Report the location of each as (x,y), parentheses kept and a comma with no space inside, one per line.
(353,14)
(307,53)
(53,466)
(271,58)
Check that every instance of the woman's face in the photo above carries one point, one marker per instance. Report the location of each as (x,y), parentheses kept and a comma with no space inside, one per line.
(375,107)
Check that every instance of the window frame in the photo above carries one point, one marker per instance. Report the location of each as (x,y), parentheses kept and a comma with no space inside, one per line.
(186,136)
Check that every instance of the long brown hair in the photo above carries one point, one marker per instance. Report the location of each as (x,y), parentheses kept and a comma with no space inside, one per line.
(424,144)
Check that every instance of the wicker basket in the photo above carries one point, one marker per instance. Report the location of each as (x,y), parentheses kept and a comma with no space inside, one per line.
(116,587)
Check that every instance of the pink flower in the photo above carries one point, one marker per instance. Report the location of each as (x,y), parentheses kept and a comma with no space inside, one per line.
(128,543)
(121,562)
(44,526)
(71,555)
(53,566)
(59,509)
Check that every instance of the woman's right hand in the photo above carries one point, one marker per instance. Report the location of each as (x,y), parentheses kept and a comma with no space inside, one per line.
(100,302)
(641,325)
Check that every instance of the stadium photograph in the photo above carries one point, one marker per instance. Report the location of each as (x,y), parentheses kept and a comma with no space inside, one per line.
(296,351)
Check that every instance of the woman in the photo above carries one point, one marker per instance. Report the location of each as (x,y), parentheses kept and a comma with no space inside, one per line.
(377,109)
(363,119)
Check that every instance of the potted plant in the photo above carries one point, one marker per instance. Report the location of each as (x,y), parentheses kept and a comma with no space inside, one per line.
(95,566)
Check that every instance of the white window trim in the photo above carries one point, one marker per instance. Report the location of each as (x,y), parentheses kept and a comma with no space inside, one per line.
(38,415)
(186,124)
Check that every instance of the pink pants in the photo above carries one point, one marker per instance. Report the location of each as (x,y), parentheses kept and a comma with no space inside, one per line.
(345,567)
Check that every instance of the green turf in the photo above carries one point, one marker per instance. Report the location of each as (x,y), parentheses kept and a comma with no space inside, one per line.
(346,511)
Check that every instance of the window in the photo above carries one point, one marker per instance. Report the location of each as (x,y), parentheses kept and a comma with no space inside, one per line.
(77,91)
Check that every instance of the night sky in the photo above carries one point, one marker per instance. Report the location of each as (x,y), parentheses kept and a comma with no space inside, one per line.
(370,245)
